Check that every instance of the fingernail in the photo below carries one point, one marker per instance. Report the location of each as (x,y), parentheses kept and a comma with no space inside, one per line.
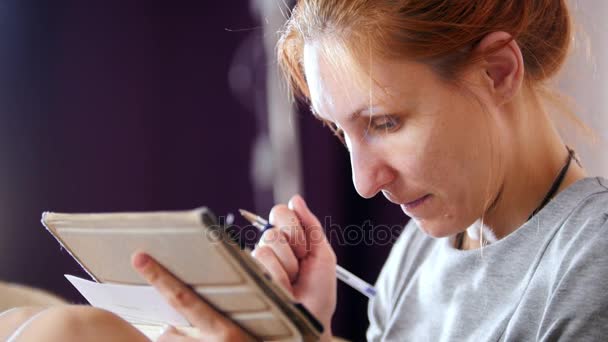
(141,260)
(296,200)
(300,202)
(290,203)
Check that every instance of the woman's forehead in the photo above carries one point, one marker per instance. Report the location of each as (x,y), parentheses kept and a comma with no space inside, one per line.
(340,88)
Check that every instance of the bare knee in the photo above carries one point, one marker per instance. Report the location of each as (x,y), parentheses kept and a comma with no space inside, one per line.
(11,319)
(77,323)
(20,314)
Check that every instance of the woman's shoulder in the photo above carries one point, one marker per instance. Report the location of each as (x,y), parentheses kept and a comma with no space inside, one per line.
(594,191)
(585,208)
(580,240)
(590,193)
(574,266)
(574,214)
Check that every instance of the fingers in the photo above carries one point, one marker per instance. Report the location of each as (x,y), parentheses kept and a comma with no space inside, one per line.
(305,237)
(269,259)
(181,297)
(317,243)
(287,222)
(276,240)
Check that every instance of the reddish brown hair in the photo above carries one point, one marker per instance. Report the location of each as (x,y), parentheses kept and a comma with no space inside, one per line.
(439,33)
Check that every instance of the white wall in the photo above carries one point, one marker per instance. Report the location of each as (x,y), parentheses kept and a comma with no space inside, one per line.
(585,80)
(283,145)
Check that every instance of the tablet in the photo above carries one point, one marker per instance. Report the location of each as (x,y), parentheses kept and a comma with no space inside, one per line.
(196,249)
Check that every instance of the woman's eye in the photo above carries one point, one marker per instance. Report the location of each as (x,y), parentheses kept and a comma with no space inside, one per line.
(386,123)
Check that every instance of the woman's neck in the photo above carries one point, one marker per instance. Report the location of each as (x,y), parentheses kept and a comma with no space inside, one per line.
(535,156)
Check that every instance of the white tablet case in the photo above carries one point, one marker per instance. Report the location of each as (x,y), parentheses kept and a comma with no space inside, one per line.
(198,251)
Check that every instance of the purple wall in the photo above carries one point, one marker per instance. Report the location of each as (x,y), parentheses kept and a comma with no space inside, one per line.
(125,105)
(114,105)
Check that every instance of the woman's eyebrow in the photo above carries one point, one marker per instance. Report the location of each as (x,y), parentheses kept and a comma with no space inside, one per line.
(364,111)
(353,116)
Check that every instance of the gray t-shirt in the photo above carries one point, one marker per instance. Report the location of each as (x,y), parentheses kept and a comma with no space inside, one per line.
(547,280)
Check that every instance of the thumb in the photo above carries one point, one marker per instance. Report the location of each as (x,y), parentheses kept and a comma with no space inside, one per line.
(315,235)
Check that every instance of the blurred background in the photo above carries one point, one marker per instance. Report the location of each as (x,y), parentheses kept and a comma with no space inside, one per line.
(149,105)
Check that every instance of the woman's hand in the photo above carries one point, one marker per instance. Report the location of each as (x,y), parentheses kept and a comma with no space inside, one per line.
(298,256)
(212,325)
(295,253)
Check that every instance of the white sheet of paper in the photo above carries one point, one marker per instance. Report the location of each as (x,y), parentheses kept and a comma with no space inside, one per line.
(134,303)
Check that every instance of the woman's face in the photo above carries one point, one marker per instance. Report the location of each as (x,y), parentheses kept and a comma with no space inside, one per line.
(423,144)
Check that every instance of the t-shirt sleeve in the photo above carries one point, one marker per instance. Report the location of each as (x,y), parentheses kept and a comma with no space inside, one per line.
(578,307)
(380,307)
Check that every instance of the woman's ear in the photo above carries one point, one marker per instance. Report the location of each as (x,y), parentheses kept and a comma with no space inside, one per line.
(503,65)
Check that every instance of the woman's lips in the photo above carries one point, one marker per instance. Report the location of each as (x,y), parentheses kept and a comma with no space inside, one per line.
(416,203)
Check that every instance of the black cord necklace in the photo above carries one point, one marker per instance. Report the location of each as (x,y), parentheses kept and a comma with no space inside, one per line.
(556,184)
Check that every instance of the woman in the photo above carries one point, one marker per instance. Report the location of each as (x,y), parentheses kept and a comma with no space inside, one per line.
(440,104)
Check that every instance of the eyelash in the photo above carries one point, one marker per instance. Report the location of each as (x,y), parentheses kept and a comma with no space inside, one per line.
(389,123)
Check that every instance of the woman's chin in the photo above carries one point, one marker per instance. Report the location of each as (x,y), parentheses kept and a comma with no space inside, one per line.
(435,229)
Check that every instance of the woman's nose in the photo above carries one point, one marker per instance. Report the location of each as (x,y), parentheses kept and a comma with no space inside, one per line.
(370,172)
